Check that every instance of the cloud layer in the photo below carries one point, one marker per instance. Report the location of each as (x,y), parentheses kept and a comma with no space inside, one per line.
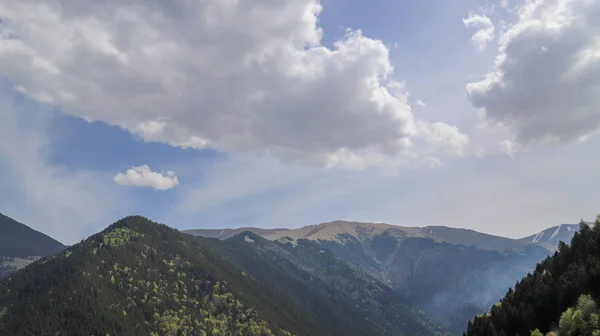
(545,83)
(143,176)
(485,29)
(231,75)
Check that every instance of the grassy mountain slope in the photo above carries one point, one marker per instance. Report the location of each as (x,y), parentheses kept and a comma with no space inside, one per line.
(539,299)
(141,278)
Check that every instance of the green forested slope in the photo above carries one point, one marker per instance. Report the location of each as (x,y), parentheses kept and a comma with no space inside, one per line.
(540,299)
(141,278)
(134,278)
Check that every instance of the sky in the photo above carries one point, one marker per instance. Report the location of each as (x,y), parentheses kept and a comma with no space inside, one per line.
(220,114)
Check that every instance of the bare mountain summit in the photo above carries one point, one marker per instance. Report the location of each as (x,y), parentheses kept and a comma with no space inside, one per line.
(339,231)
(451,274)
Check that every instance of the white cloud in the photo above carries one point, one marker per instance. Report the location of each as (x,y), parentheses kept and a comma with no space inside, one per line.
(504,3)
(546,78)
(234,76)
(46,196)
(509,148)
(485,32)
(445,136)
(143,176)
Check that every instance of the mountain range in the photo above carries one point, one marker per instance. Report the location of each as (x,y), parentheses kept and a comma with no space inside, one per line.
(142,278)
(336,230)
(451,274)
(337,278)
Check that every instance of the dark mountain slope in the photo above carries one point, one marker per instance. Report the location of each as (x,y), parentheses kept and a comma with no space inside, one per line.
(449,282)
(18,240)
(318,273)
(21,245)
(141,278)
(449,273)
(540,298)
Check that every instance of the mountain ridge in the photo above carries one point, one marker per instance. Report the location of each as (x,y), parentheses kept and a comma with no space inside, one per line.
(553,235)
(331,231)
(429,266)
(138,277)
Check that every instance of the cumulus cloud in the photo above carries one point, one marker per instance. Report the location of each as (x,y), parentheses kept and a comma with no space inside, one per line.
(231,75)
(546,78)
(445,136)
(143,176)
(509,148)
(485,32)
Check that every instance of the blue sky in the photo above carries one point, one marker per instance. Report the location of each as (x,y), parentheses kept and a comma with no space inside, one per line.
(281,117)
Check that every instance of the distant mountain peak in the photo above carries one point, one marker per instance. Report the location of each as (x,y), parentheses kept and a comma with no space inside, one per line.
(19,240)
(550,237)
(21,245)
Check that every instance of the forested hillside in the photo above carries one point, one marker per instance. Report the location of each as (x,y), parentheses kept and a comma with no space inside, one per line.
(141,278)
(557,298)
